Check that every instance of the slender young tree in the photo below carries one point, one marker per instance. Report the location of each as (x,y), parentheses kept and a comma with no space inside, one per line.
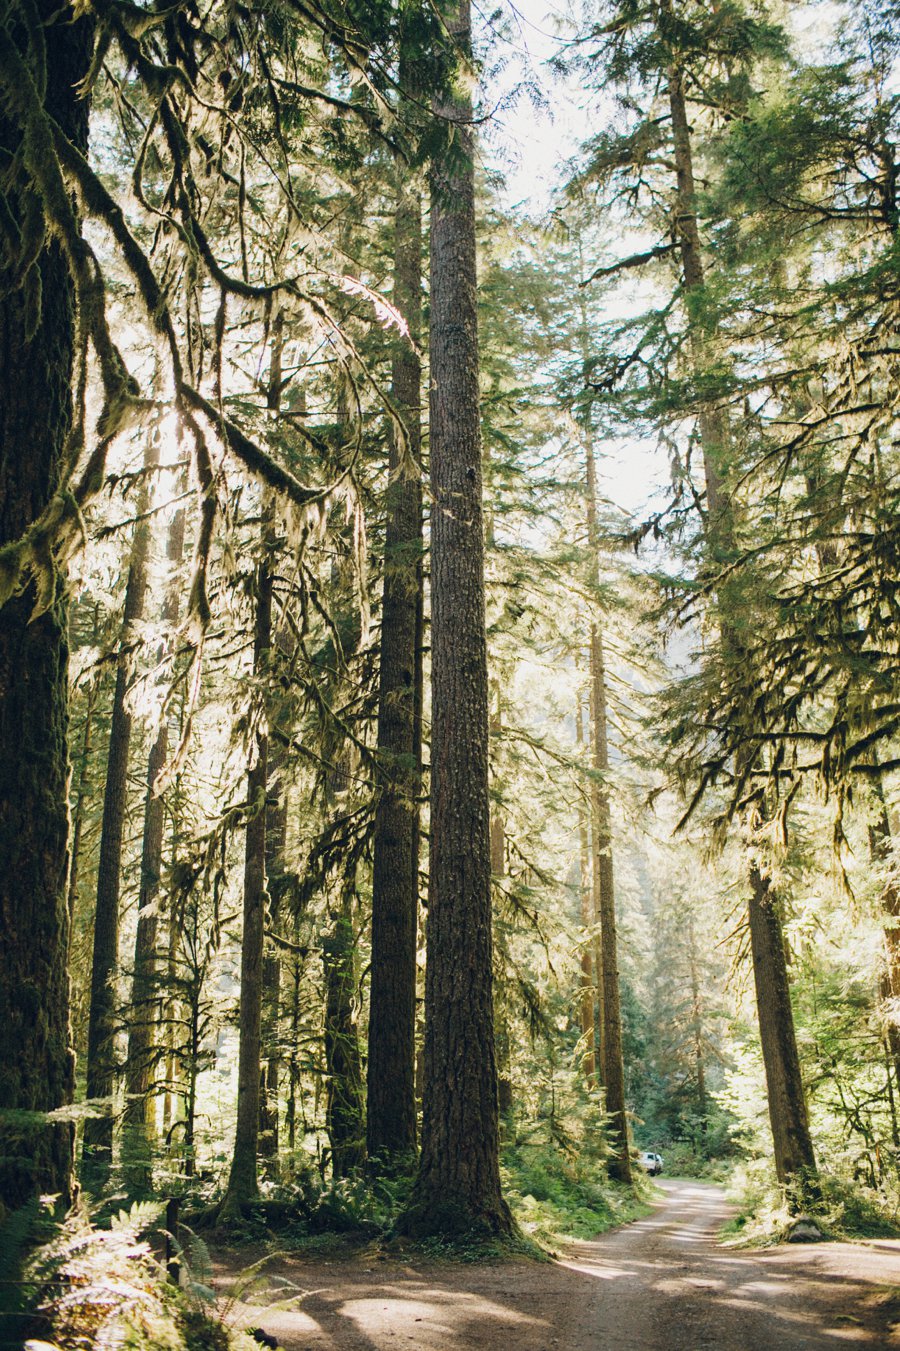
(458,1183)
(37,345)
(140,1109)
(242,1179)
(587,1003)
(612,1062)
(270,1046)
(103,1017)
(677,41)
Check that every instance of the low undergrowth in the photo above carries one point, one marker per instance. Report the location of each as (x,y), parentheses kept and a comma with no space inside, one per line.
(555,1194)
(90,1287)
(684,1159)
(845,1209)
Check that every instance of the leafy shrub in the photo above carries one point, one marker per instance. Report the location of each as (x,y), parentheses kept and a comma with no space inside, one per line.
(850,1209)
(846,1209)
(555,1194)
(92,1287)
(684,1159)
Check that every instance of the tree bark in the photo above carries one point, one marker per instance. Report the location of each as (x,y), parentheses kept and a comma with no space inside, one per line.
(889,979)
(498,870)
(795,1162)
(276,835)
(715,433)
(697,1028)
(587,1004)
(81,796)
(458,1184)
(242,1181)
(37,336)
(391,1090)
(102,1018)
(140,1110)
(269,1086)
(344,1102)
(612,1063)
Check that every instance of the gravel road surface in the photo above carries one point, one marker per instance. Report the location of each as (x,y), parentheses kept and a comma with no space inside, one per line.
(661,1284)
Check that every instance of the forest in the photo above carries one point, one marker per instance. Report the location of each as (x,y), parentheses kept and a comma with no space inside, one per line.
(449,621)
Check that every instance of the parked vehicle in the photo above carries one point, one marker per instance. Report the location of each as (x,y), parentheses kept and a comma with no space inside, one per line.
(650,1162)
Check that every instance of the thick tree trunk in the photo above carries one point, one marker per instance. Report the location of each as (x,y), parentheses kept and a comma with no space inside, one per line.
(612,1063)
(391,1090)
(794,1156)
(36,358)
(102,1019)
(172,1004)
(242,1181)
(458,1184)
(140,1110)
(795,1162)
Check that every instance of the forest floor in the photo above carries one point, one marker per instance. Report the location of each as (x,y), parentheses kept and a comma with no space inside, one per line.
(664,1283)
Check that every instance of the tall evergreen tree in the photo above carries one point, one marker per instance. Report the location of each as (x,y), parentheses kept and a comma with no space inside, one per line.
(612,1064)
(458,1183)
(664,49)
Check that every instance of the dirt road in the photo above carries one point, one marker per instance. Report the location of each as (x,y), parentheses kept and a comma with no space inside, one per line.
(662,1284)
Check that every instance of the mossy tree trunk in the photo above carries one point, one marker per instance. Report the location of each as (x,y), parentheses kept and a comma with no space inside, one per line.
(498,871)
(880,848)
(276,837)
(795,1162)
(37,337)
